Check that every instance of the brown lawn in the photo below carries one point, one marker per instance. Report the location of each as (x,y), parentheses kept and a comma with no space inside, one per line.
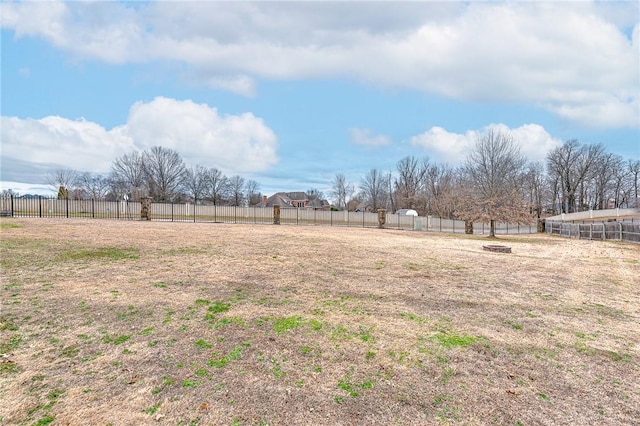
(122,323)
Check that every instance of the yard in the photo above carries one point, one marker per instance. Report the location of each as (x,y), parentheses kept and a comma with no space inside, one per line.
(109,322)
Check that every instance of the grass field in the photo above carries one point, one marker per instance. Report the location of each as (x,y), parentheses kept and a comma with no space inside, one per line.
(124,323)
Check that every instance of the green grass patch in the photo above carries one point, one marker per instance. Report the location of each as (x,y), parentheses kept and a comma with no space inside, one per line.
(351,388)
(280,325)
(152,410)
(100,253)
(218,307)
(202,344)
(70,351)
(9,225)
(452,340)
(223,322)
(235,353)
(116,340)
(147,331)
(43,421)
(13,343)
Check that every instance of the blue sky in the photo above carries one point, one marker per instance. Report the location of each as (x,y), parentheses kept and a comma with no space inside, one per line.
(291,93)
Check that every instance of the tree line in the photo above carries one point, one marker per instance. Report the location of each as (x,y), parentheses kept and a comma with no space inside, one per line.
(495,182)
(161,174)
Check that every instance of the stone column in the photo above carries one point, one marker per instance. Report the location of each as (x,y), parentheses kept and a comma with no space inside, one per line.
(145,208)
(468,227)
(276,214)
(382,218)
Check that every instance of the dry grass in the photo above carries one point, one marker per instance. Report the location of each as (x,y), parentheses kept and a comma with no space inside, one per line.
(122,323)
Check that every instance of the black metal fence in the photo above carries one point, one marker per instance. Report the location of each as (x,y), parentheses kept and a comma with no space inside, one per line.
(45,207)
(626,230)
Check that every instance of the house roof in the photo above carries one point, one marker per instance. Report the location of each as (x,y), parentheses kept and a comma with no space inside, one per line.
(286,199)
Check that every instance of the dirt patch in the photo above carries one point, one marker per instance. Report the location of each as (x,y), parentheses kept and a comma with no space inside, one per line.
(190,323)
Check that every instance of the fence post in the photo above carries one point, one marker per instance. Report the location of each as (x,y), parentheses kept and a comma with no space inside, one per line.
(11,205)
(67,207)
(40,205)
(195,205)
(276,214)
(620,224)
(382,217)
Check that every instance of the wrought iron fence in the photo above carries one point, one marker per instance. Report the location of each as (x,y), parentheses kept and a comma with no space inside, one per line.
(45,207)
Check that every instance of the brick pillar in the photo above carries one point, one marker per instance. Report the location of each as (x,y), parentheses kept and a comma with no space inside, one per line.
(468,227)
(382,218)
(276,214)
(145,208)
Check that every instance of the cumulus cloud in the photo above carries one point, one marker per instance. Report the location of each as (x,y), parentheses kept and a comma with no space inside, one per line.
(77,144)
(366,137)
(534,141)
(232,143)
(577,60)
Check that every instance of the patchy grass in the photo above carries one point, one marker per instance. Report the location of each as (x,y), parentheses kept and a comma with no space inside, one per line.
(143,322)
(98,253)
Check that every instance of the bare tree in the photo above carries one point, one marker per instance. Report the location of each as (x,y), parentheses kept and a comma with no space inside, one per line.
(572,164)
(634,173)
(127,176)
(217,186)
(341,190)
(93,185)
(315,194)
(441,189)
(373,189)
(164,171)
(409,183)
(534,187)
(252,190)
(236,190)
(604,180)
(62,181)
(195,182)
(7,193)
(493,182)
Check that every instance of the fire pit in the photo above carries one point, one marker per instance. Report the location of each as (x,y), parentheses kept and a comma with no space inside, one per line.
(497,248)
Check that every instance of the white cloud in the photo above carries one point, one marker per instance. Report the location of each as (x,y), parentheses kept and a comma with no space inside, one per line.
(366,137)
(534,141)
(232,143)
(77,144)
(575,59)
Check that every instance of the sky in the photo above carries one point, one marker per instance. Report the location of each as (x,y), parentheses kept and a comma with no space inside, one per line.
(291,93)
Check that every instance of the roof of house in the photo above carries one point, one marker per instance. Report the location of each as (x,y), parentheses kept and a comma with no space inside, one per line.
(286,199)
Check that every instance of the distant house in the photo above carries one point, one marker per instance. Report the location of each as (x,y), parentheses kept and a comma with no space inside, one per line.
(294,200)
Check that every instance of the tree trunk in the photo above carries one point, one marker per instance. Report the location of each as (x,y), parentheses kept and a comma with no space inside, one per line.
(492,229)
